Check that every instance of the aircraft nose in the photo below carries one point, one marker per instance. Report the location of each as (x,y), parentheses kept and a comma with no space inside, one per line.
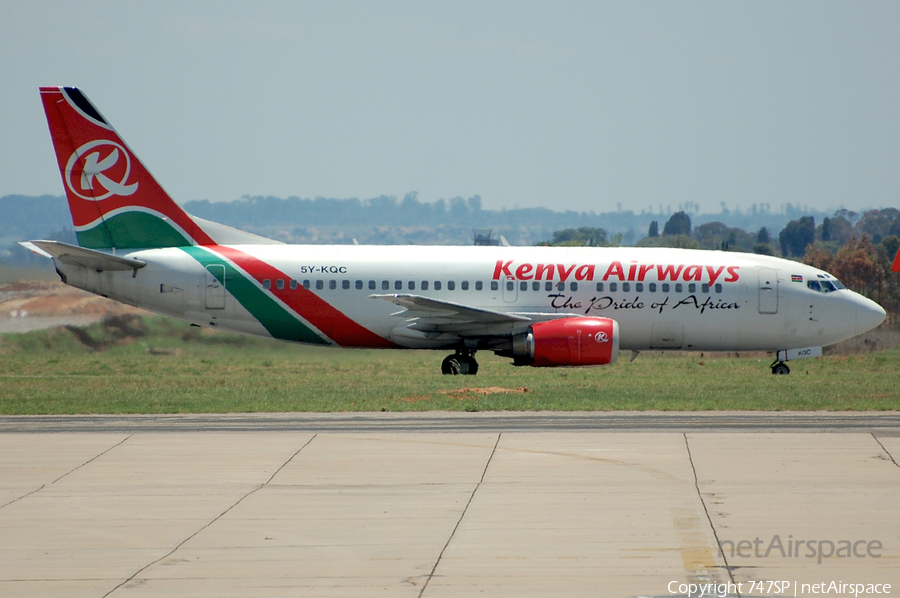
(868,315)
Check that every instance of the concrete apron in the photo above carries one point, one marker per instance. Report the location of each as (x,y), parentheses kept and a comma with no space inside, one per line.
(513,514)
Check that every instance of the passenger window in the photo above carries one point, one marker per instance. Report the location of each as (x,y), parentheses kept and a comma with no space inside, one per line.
(359,285)
(573,286)
(372,285)
(398,285)
(479,285)
(523,286)
(535,286)
(411,285)
(613,287)
(424,285)
(451,285)
(267,284)
(692,288)
(652,287)
(510,285)
(293,285)
(345,284)
(332,284)
(704,287)
(279,284)
(626,286)
(560,286)
(548,286)
(665,287)
(385,285)
(320,285)
(718,288)
(305,284)
(495,285)
(679,287)
(437,285)
(639,287)
(464,285)
(599,287)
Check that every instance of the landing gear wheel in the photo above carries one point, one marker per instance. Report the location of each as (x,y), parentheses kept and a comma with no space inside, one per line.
(451,366)
(780,369)
(469,365)
(459,364)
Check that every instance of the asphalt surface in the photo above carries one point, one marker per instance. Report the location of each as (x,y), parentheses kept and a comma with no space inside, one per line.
(879,423)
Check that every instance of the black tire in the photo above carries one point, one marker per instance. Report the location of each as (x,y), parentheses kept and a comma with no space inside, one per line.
(781,369)
(469,367)
(450,366)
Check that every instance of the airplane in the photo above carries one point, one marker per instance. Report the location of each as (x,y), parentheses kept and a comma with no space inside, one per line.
(539,306)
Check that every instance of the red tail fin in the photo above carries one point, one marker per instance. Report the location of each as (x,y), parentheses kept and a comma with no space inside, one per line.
(114,200)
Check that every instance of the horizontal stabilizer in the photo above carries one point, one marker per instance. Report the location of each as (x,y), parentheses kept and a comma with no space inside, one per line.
(80,256)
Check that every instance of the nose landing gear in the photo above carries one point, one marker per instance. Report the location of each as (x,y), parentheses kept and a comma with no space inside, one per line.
(460,363)
(780,368)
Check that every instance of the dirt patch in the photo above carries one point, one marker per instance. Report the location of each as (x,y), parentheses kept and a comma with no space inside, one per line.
(55,304)
(467,391)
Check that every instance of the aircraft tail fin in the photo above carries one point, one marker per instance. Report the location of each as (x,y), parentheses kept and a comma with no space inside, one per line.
(114,200)
(895,267)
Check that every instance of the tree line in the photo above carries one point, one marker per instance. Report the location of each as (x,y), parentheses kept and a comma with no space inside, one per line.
(857,248)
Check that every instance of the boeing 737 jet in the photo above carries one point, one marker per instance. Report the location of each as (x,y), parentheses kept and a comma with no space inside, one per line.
(539,306)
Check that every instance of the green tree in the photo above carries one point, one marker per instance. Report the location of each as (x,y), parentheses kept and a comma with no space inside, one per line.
(654,229)
(797,235)
(678,224)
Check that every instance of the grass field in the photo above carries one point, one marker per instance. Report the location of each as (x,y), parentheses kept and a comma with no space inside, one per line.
(157,365)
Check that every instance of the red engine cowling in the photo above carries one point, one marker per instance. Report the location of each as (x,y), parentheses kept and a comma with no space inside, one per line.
(570,342)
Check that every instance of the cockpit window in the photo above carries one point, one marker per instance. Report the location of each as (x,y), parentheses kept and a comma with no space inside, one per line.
(824,285)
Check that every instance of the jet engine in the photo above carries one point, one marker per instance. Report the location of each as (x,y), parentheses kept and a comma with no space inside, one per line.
(568,342)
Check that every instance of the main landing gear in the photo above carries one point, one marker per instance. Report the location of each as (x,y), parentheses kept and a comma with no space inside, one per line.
(780,368)
(460,363)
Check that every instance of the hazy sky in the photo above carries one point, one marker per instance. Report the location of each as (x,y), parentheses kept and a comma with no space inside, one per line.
(569,105)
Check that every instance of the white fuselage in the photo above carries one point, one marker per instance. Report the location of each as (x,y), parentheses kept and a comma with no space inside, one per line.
(661,298)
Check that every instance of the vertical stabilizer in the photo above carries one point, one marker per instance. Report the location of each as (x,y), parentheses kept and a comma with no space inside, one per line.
(114,200)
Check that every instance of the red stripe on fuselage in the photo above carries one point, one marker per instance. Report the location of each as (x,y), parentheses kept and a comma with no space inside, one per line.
(304,302)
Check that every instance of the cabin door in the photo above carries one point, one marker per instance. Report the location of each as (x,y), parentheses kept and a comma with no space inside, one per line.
(215,286)
(768,291)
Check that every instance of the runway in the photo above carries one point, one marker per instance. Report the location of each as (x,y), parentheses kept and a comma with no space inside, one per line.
(882,423)
(446,504)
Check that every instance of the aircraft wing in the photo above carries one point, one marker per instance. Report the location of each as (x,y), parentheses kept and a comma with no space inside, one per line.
(81,256)
(433,315)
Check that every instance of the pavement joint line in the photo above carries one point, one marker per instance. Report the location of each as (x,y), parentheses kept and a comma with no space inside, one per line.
(216,518)
(15,500)
(884,448)
(462,516)
(712,526)
(67,473)
(92,459)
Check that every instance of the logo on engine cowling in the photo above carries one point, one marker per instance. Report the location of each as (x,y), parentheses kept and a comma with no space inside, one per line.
(601,337)
(101,173)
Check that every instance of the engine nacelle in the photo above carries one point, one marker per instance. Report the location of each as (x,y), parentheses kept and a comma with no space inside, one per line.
(569,342)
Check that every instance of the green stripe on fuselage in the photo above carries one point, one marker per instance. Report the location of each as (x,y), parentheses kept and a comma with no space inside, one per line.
(280,322)
(132,230)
